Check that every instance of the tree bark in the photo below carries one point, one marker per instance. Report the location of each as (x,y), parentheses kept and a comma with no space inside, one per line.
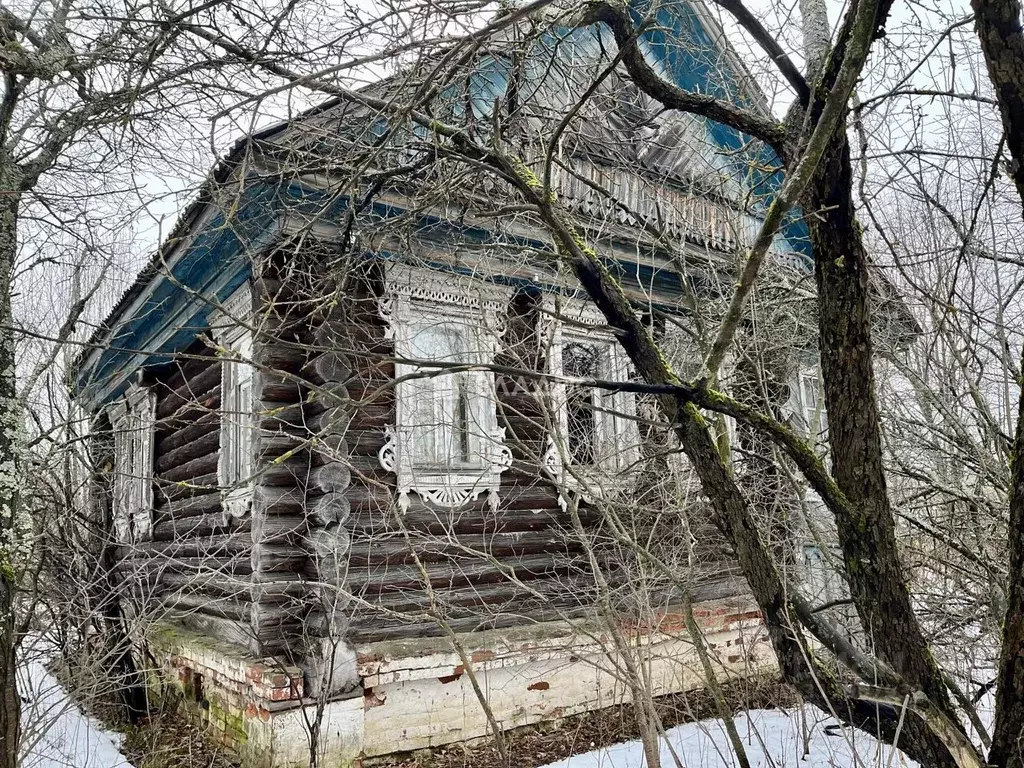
(868,535)
(10,425)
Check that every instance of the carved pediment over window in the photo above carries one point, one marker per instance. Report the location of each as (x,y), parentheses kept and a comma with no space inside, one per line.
(446,445)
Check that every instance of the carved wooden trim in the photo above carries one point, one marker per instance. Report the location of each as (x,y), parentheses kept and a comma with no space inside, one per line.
(413,295)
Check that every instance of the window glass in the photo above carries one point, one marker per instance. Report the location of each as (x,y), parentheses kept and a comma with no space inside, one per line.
(441,409)
(237,425)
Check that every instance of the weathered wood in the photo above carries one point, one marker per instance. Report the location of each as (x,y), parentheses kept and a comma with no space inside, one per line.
(189,414)
(465,548)
(384,578)
(279,529)
(331,334)
(170,440)
(329,366)
(369,631)
(365,442)
(196,390)
(196,486)
(336,421)
(278,557)
(277,355)
(330,508)
(224,544)
(196,526)
(330,395)
(279,501)
(219,584)
(325,543)
(186,367)
(275,446)
(577,590)
(184,508)
(203,445)
(236,608)
(238,633)
(201,466)
(529,506)
(274,387)
(289,472)
(329,478)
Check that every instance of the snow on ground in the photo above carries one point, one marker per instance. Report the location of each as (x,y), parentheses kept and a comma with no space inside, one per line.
(56,734)
(772,738)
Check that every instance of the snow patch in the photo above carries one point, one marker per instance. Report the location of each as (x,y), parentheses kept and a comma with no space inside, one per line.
(55,732)
(773,738)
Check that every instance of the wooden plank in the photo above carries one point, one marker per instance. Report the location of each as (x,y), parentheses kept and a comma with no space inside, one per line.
(202,445)
(182,509)
(201,466)
(170,440)
(471,549)
(386,578)
(195,390)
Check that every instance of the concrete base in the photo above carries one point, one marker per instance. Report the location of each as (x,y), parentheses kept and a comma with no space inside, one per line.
(417,693)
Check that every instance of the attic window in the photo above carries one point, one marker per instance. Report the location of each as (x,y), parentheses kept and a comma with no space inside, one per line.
(445,445)
(237,410)
(132,420)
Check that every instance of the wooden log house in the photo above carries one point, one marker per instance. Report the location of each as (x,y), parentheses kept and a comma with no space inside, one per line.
(343,464)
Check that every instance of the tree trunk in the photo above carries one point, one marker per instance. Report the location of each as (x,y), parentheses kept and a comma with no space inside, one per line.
(10,425)
(868,537)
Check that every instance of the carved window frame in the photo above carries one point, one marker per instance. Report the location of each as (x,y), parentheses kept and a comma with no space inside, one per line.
(236,461)
(133,422)
(617,433)
(415,297)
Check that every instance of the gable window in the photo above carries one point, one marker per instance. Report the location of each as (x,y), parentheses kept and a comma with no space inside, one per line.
(595,444)
(237,409)
(445,445)
(132,420)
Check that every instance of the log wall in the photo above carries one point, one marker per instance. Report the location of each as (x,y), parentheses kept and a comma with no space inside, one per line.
(325,553)
(199,563)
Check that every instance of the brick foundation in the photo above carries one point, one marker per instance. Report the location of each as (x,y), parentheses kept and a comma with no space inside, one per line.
(417,694)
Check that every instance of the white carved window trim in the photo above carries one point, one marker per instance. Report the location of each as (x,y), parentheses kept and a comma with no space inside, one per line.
(132,420)
(616,430)
(416,297)
(235,465)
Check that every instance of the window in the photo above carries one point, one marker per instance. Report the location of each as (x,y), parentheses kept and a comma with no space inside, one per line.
(445,445)
(582,403)
(596,440)
(441,403)
(132,420)
(811,403)
(237,408)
